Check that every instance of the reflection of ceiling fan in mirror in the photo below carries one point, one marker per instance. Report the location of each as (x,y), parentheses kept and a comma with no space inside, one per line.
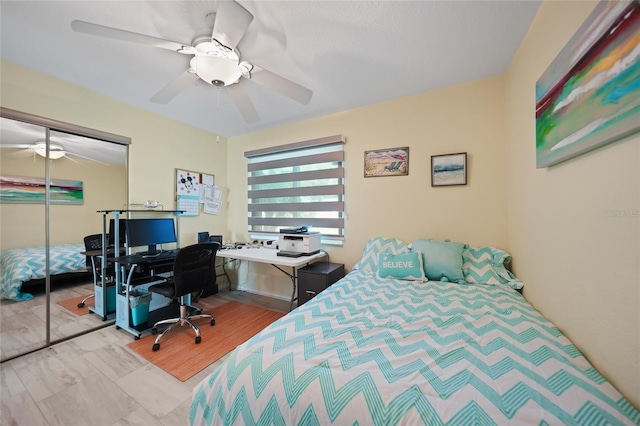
(20,140)
(216,59)
(56,151)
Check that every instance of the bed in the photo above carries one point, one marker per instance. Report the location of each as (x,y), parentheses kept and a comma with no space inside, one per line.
(18,266)
(386,345)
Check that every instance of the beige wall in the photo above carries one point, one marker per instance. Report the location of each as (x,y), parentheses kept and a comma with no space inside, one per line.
(159,145)
(23,225)
(468,117)
(580,265)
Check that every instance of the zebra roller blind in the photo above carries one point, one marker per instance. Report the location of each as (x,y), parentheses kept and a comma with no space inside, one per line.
(299,184)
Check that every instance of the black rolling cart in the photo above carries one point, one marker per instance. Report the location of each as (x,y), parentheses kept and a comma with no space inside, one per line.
(314,278)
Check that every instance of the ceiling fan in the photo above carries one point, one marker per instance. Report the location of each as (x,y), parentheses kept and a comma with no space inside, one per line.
(216,59)
(56,152)
(39,147)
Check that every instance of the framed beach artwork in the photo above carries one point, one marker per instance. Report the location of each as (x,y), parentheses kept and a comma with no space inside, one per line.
(449,169)
(31,190)
(386,162)
(590,94)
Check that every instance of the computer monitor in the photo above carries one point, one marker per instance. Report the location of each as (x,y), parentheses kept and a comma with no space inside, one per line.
(122,232)
(216,239)
(150,233)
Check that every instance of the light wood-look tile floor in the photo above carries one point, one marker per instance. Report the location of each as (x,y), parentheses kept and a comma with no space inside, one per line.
(94,379)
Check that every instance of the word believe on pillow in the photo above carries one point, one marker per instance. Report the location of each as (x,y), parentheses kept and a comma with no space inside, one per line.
(403,266)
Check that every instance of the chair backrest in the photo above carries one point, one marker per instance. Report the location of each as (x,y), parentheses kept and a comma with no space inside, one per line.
(92,242)
(195,268)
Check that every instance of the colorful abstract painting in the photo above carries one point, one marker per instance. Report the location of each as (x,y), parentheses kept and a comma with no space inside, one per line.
(31,190)
(590,94)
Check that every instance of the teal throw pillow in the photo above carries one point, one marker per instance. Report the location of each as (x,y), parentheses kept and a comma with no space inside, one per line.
(442,259)
(404,266)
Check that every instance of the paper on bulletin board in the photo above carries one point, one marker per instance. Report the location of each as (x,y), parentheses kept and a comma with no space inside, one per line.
(206,181)
(189,204)
(212,200)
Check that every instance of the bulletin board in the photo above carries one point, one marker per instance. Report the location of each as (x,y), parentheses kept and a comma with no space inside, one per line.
(194,189)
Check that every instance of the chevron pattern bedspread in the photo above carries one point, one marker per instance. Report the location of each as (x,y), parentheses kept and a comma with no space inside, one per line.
(24,264)
(368,351)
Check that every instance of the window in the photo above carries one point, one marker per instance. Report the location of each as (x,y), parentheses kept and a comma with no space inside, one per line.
(299,184)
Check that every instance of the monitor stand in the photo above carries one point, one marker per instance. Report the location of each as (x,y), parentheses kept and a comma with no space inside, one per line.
(152,251)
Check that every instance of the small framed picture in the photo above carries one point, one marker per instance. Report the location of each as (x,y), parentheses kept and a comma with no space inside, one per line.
(386,162)
(449,169)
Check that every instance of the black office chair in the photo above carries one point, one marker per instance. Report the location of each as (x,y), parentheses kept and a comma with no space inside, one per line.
(193,270)
(92,242)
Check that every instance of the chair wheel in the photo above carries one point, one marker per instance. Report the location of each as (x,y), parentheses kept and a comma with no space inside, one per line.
(213,322)
(136,337)
(156,346)
(154,330)
(80,305)
(198,339)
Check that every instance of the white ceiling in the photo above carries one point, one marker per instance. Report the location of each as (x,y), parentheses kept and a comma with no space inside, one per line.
(350,53)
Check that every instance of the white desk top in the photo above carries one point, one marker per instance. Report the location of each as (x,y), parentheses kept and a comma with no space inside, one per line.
(267,255)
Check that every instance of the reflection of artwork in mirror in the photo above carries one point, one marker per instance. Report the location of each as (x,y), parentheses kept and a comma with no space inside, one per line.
(450,169)
(31,190)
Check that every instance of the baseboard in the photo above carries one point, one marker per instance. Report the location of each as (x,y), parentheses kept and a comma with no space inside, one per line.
(264,293)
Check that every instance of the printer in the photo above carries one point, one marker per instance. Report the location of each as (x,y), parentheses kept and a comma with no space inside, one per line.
(306,243)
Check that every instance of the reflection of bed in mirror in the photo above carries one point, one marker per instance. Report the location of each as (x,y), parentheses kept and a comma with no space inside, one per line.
(23,267)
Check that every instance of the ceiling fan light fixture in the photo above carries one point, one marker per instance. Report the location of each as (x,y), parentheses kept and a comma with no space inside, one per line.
(207,48)
(216,71)
(55,151)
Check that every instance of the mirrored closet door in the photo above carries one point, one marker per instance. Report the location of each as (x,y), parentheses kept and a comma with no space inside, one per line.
(55,177)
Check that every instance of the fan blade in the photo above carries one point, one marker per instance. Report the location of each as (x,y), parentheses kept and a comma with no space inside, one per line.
(242,100)
(171,90)
(281,85)
(102,31)
(69,156)
(76,161)
(232,21)
(15,145)
(19,155)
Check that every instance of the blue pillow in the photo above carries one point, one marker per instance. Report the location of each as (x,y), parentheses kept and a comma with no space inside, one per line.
(403,266)
(442,259)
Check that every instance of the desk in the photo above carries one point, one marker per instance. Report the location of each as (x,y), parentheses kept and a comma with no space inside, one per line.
(148,266)
(270,256)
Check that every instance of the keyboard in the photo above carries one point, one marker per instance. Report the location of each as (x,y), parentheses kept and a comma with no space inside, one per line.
(289,253)
(162,255)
